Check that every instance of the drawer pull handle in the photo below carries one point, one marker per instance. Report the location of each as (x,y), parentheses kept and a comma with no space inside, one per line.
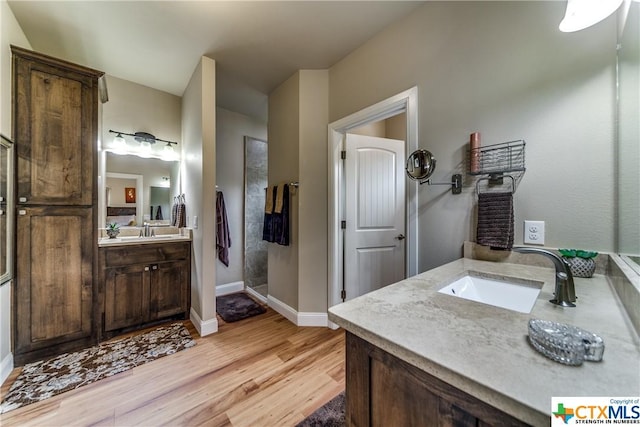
(22,212)
(154,267)
(146,268)
(22,199)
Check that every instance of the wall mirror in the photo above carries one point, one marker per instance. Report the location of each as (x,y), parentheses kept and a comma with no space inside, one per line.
(138,190)
(628,57)
(420,165)
(6,208)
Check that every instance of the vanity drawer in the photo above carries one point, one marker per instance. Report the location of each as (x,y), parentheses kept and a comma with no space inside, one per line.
(141,254)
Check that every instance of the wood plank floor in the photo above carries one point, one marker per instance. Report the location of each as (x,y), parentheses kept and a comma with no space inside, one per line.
(263,371)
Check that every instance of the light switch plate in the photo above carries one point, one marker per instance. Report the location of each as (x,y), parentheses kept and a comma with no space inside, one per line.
(534,232)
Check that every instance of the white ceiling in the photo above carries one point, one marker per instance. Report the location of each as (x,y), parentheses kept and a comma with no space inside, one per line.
(256,44)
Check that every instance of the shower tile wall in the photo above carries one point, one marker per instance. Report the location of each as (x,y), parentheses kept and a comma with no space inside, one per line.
(255,249)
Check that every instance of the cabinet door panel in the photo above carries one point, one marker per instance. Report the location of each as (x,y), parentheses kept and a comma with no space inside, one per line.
(126,296)
(168,293)
(54,276)
(55,134)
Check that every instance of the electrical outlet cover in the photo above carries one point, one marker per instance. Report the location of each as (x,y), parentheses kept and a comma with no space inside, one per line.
(534,232)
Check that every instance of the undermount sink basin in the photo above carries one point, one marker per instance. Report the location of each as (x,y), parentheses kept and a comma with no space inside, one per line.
(513,294)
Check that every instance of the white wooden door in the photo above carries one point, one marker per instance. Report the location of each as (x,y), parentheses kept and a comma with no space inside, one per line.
(374,213)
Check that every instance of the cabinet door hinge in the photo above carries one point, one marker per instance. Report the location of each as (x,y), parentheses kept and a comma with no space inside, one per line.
(343,224)
(343,155)
(343,294)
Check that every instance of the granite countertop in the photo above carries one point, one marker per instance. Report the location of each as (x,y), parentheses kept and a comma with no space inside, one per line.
(484,351)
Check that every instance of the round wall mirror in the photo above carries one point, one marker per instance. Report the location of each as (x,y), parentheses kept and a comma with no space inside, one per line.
(420,165)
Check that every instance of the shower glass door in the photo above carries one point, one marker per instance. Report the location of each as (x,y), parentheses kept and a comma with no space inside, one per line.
(255,183)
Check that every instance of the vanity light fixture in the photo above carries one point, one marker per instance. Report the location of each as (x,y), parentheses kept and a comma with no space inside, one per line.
(119,144)
(581,14)
(145,149)
(168,153)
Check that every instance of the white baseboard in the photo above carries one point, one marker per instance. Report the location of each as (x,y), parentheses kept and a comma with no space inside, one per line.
(229,288)
(298,318)
(6,367)
(289,313)
(255,294)
(203,328)
(313,319)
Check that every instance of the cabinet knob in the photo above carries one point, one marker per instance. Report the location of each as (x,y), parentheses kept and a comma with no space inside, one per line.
(1,212)
(22,199)
(146,268)
(154,267)
(22,212)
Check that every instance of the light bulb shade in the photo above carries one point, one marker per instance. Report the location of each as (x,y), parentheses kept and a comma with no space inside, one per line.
(168,153)
(119,144)
(581,14)
(145,149)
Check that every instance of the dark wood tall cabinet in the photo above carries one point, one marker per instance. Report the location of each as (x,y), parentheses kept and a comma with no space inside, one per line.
(55,127)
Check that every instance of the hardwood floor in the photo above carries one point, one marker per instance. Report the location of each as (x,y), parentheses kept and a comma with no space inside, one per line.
(262,371)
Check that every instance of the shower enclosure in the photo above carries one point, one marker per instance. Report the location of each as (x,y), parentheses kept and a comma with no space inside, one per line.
(255,183)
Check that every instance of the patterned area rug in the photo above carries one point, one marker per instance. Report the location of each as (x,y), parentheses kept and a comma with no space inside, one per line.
(41,380)
(238,306)
(331,414)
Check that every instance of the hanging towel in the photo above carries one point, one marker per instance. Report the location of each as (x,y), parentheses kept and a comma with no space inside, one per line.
(223,239)
(181,213)
(268,203)
(276,224)
(277,208)
(267,228)
(159,212)
(495,220)
(281,219)
(174,212)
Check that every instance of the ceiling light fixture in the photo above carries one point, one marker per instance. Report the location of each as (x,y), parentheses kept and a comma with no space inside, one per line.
(581,14)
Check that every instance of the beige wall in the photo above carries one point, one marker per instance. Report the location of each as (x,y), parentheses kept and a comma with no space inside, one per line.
(312,194)
(284,148)
(231,128)
(198,183)
(393,128)
(503,69)
(10,33)
(298,118)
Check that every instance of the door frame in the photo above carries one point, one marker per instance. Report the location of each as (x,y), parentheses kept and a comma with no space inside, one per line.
(404,102)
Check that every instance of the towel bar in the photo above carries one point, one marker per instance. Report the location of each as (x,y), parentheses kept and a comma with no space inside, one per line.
(496,179)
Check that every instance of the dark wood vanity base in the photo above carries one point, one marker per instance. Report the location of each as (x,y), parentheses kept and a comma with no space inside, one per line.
(143,284)
(383,390)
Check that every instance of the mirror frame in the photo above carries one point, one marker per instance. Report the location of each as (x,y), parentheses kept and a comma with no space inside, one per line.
(7,144)
(424,161)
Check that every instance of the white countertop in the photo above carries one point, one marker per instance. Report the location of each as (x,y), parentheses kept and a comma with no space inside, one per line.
(484,351)
(135,240)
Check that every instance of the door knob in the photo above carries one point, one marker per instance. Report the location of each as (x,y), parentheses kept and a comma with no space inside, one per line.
(400,236)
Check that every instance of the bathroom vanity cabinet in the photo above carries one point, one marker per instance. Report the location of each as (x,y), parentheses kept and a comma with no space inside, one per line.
(142,284)
(393,392)
(55,124)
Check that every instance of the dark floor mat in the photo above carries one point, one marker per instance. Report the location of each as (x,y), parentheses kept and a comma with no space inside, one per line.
(238,306)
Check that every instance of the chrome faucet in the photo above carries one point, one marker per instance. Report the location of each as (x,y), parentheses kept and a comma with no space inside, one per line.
(147,231)
(565,291)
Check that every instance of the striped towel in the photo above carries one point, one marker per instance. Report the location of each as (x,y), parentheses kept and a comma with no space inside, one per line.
(495,220)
